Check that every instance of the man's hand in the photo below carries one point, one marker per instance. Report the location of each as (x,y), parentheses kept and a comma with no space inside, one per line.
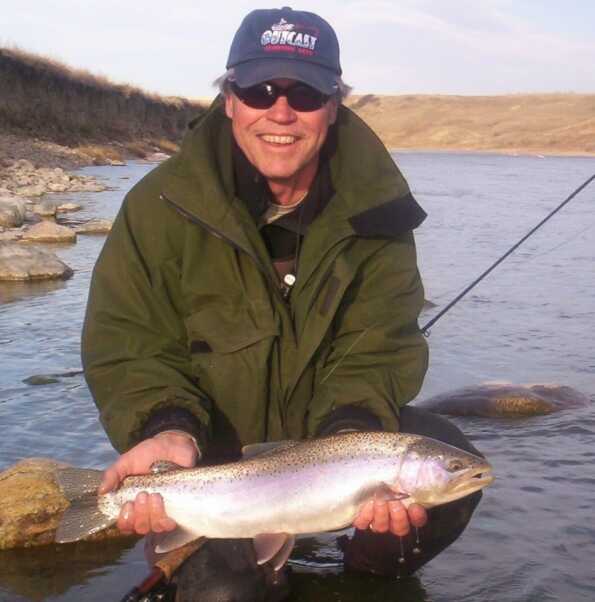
(381,515)
(147,512)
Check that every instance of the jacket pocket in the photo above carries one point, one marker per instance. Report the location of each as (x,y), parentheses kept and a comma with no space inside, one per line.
(227,329)
(231,347)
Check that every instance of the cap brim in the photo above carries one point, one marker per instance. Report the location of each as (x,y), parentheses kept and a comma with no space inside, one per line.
(257,71)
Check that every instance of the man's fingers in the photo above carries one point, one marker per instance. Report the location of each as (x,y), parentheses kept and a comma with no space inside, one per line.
(115,474)
(399,520)
(365,516)
(167,524)
(126,519)
(417,515)
(159,520)
(381,521)
(142,519)
(110,481)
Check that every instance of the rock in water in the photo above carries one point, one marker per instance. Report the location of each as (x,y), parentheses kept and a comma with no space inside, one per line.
(94,226)
(12,212)
(505,400)
(46,231)
(19,263)
(31,505)
(66,207)
(45,208)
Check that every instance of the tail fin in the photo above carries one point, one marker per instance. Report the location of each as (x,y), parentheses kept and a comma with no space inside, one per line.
(83,517)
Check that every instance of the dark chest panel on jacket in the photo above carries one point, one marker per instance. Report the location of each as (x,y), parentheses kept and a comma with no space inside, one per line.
(253,352)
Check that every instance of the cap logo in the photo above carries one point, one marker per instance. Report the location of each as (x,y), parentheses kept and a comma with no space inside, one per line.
(286,37)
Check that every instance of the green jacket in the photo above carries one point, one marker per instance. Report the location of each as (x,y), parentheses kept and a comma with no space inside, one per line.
(185,311)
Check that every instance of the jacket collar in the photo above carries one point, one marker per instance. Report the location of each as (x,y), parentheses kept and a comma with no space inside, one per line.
(371,197)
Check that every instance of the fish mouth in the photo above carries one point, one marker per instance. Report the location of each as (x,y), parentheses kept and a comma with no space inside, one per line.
(473,480)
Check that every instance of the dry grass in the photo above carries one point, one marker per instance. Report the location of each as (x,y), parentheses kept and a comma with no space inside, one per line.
(101,155)
(167,146)
(139,149)
(535,123)
(44,98)
(54,68)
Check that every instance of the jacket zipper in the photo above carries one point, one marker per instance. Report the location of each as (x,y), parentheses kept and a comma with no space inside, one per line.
(191,217)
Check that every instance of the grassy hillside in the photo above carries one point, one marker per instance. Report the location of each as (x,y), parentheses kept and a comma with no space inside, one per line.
(537,123)
(45,99)
(41,98)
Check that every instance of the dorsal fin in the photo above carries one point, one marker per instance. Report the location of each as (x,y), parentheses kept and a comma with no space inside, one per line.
(258,449)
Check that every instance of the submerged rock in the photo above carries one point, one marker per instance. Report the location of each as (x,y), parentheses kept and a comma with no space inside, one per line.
(40,380)
(505,400)
(20,262)
(49,379)
(46,231)
(31,505)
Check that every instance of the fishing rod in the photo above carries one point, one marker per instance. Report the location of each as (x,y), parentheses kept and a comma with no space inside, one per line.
(426,329)
(156,586)
(162,571)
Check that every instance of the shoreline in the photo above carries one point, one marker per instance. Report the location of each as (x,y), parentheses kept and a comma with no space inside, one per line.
(30,171)
(508,153)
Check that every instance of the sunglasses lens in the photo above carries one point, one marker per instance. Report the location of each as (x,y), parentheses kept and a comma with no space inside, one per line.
(304,98)
(263,96)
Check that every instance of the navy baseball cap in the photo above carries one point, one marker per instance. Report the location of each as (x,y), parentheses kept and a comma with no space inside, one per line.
(285,43)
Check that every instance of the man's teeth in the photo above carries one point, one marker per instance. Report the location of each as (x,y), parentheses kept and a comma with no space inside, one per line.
(279,139)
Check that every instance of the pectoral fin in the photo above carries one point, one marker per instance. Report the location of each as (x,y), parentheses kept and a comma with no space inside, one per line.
(273,547)
(386,492)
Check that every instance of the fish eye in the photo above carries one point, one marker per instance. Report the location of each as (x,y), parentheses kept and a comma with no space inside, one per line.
(455,466)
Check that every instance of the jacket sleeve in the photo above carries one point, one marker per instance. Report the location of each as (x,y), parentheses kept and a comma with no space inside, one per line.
(134,343)
(378,356)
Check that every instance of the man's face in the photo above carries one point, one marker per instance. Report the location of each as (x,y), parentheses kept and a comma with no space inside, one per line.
(283,144)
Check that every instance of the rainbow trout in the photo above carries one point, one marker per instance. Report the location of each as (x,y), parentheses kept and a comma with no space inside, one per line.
(279,490)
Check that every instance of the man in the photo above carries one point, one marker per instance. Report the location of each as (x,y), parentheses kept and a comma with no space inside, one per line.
(262,284)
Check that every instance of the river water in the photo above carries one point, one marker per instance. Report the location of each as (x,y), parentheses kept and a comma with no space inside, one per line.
(532,537)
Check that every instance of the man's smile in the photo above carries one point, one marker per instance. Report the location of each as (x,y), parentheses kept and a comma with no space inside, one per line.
(278,140)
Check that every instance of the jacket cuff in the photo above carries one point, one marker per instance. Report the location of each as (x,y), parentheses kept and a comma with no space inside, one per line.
(349,418)
(174,419)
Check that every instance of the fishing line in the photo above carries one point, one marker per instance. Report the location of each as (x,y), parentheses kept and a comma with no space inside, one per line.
(426,329)
(572,238)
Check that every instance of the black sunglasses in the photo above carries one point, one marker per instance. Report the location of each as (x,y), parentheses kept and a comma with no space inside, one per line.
(300,97)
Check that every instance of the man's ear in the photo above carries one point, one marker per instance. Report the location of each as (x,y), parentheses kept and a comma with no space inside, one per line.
(333,107)
(229,105)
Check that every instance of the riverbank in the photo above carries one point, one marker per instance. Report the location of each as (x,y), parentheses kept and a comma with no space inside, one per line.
(515,124)
(31,170)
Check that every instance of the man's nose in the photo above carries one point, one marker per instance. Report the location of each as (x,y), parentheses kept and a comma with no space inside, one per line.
(281,112)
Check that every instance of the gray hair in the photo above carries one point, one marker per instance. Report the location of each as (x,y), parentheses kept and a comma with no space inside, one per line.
(222,84)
